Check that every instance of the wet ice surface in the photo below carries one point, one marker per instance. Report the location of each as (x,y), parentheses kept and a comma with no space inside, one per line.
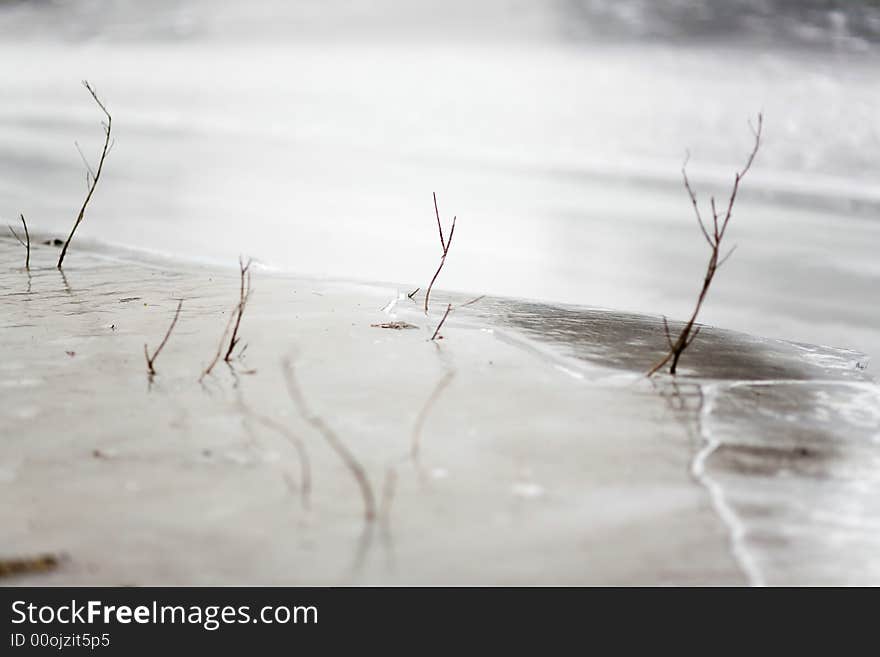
(545,457)
(625,341)
(789,435)
(802,474)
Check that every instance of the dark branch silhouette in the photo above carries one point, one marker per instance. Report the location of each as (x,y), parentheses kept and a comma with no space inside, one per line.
(442,320)
(449,309)
(347,457)
(92,176)
(473,301)
(713,236)
(244,295)
(26,243)
(444,245)
(151,359)
(219,353)
(234,316)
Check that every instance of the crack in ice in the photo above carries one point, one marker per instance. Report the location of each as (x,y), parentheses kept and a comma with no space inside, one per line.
(736,530)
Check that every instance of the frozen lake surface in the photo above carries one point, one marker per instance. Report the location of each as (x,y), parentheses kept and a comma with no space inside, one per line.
(312,140)
(525,447)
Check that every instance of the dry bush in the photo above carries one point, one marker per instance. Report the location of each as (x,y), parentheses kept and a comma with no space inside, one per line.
(444,245)
(713,236)
(26,242)
(449,309)
(436,334)
(235,316)
(243,296)
(92,175)
(152,359)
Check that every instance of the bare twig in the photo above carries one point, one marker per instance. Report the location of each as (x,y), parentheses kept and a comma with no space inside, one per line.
(449,309)
(413,293)
(26,243)
(445,243)
(347,457)
(15,235)
(443,319)
(90,174)
(95,176)
(713,237)
(234,317)
(219,353)
(244,295)
(151,359)
(472,301)
(668,334)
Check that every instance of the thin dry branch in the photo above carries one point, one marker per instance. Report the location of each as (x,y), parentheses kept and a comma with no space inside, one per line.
(445,243)
(94,175)
(15,235)
(668,334)
(151,359)
(413,293)
(90,173)
(449,309)
(473,301)
(234,317)
(244,295)
(26,243)
(347,457)
(713,237)
(442,320)
(219,353)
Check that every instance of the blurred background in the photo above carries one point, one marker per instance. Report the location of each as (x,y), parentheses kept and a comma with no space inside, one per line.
(310,135)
